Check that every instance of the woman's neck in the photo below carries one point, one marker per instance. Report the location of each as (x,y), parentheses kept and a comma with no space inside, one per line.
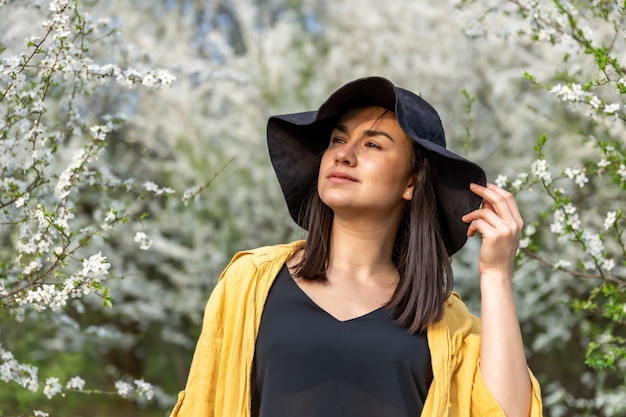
(363,253)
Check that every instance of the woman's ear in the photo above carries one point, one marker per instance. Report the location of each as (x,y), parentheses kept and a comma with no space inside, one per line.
(408,191)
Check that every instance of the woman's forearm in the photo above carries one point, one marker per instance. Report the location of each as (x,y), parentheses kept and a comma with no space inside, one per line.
(502,359)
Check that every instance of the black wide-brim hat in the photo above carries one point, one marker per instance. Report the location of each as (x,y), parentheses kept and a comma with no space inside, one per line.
(297,141)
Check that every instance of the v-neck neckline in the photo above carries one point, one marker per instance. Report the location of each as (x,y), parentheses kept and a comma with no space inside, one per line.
(324,311)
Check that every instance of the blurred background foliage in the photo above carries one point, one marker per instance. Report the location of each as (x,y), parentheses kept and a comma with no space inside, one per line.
(238,62)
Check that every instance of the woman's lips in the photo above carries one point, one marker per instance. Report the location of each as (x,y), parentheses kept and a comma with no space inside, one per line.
(341,178)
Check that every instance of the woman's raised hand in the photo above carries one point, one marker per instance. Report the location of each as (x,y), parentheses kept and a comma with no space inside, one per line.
(500,224)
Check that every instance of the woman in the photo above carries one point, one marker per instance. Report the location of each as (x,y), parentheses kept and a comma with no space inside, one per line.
(360,320)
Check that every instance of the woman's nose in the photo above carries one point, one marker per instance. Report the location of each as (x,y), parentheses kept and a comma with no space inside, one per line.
(346,154)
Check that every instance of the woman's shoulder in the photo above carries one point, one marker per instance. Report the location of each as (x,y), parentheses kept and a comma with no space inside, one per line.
(260,261)
(455,302)
(265,254)
(457,316)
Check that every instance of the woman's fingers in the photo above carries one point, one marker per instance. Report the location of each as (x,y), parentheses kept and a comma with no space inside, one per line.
(499,222)
(498,201)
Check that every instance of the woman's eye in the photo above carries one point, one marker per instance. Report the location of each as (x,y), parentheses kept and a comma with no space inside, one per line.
(372,145)
(335,139)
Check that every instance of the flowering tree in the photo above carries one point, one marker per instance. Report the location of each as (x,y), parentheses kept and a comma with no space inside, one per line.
(58,203)
(80,201)
(121,201)
(574,188)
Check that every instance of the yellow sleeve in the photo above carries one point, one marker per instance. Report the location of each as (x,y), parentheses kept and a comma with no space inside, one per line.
(484,405)
(198,398)
(217,384)
(468,394)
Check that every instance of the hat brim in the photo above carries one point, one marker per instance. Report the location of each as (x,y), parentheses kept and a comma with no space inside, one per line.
(296,142)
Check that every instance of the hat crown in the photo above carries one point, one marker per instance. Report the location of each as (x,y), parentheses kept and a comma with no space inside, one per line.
(417,118)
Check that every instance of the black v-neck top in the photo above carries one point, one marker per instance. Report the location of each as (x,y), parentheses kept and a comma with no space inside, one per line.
(309,364)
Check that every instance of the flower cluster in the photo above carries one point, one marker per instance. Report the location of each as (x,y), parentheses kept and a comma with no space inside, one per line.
(142,239)
(55,296)
(541,169)
(128,78)
(12,371)
(75,383)
(574,93)
(577,175)
(156,190)
(52,387)
(70,174)
(140,389)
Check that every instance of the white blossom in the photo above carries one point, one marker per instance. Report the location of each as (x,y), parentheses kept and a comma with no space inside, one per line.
(62,189)
(39,413)
(622,172)
(43,246)
(33,266)
(22,200)
(144,388)
(573,92)
(501,180)
(595,102)
(519,181)
(562,264)
(52,387)
(190,193)
(574,222)
(142,239)
(41,296)
(108,219)
(63,216)
(99,132)
(610,219)
(110,216)
(558,224)
(608,264)
(593,244)
(95,267)
(577,175)
(124,389)
(569,208)
(589,265)
(27,248)
(524,242)
(150,186)
(75,383)
(529,230)
(612,108)
(540,169)
(153,188)
(149,80)
(22,374)
(57,6)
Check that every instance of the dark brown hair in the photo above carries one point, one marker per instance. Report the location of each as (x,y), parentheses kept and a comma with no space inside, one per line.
(419,251)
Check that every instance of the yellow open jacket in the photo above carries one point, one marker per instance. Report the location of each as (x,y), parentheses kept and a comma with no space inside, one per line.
(219,379)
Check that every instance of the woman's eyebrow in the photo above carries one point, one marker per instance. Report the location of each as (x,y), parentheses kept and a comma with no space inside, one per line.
(371,133)
(341,127)
(367,133)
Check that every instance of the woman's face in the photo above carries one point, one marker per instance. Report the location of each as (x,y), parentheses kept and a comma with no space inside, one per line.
(366,170)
